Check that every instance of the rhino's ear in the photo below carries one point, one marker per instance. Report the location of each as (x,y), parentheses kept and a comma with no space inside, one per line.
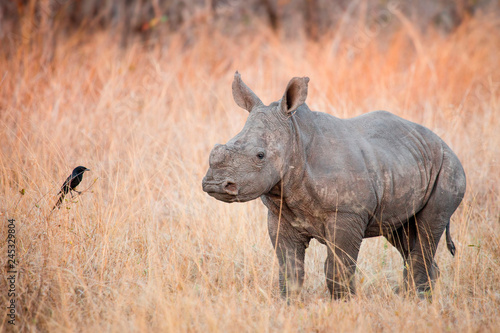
(295,94)
(244,96)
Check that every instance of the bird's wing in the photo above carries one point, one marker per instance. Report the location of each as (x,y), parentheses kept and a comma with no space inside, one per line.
(66,185)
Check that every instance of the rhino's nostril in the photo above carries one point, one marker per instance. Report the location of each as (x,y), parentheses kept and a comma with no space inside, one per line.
(230,188)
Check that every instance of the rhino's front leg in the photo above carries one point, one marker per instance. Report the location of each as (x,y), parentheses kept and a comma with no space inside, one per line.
(343,239)
(290,247)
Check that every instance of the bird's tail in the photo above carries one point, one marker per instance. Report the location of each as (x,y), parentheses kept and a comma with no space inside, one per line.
(59,201)
(449,242)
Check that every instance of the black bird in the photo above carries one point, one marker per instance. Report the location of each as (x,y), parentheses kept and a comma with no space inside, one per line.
(70,183)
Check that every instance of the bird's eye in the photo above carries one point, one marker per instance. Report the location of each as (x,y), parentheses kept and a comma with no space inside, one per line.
(260,155)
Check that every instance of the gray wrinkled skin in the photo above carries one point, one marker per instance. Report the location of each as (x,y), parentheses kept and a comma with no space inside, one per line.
(339,181)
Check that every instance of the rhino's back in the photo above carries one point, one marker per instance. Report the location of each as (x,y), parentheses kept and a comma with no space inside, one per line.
(394,163)
(403,159)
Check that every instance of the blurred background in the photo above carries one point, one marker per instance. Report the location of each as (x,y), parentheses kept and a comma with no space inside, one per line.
(149,21)
(140,91)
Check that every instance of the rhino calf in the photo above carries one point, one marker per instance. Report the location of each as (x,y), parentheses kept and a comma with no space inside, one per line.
(339,181)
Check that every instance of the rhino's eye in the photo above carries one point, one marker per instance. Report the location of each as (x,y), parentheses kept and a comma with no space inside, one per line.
(260,155)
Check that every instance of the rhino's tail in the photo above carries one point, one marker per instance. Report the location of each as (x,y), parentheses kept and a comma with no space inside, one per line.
(449,242)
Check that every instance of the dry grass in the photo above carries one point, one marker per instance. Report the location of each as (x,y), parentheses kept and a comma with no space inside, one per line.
(144,249)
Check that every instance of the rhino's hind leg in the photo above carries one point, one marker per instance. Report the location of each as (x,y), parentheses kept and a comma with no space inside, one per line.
(403,239)
(417,242)
(431,222)
(421,271)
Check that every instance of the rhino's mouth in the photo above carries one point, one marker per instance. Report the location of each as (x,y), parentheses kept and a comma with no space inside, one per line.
(223,197)
(225,190)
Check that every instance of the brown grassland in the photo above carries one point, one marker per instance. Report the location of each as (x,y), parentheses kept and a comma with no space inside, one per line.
(144,249)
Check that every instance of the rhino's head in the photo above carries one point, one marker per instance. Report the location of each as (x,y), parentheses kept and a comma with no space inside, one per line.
(253,162)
